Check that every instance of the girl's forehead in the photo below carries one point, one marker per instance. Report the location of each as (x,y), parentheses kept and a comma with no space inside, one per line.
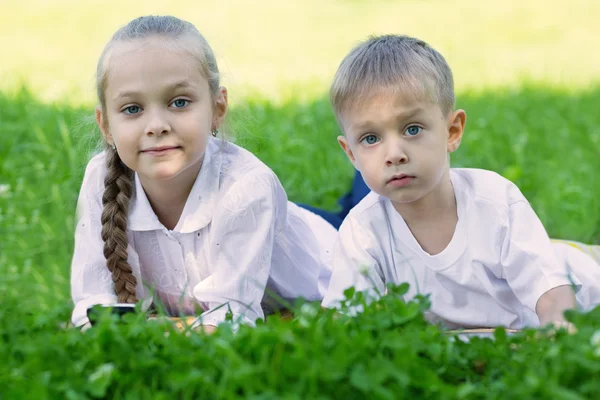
(151,45)
(147,64)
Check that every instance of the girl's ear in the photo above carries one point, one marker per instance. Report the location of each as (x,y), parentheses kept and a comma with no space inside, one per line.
(220,108)
(100,120)
(456,128)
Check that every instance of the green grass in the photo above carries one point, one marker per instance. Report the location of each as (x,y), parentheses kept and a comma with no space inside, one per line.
(526,74)
(386,352)
(546,141)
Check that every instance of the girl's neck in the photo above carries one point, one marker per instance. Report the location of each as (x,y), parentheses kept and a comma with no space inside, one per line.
(435,205)
(168,197)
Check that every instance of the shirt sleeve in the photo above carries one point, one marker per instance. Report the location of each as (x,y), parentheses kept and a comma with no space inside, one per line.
(354,264)
(245,225)
(529,263)
(91,281)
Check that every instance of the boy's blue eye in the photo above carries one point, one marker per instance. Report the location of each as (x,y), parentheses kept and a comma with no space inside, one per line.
(180,103)
(370,139)
(132,110)
(413,130)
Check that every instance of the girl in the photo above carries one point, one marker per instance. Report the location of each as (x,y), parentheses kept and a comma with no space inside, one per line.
(167,212)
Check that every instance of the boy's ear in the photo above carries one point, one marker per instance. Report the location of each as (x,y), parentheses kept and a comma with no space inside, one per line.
(346,147)
(220,108)
(100,120)
(456,127)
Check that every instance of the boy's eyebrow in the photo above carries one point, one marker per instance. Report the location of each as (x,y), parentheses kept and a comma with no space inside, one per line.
(181,84)
(402,115)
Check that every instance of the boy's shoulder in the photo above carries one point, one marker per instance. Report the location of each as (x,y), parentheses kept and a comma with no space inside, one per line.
(370,213)
(371,204)
(485,186)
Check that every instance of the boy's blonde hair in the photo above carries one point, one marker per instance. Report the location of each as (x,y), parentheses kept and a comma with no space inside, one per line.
(393,62)
(118,183)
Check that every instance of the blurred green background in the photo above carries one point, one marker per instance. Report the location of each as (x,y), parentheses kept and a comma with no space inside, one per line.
(266,45)
(527,73)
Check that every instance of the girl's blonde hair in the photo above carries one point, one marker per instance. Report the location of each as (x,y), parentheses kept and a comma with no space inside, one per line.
(118,183)
(392,62)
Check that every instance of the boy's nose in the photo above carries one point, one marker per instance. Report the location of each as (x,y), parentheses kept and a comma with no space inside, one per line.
(396,155)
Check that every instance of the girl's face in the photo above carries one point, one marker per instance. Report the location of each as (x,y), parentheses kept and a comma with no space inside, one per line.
(159,109)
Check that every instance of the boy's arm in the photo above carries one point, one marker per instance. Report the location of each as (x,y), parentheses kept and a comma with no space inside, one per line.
(537,277)
(551,306)
(354,264)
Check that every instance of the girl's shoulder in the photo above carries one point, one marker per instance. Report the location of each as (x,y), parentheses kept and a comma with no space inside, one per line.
(95,171)
(97,163)
(244,179)
(239,165)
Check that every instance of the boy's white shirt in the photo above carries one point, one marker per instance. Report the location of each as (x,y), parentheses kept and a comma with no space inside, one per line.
(492,273)
(237,236)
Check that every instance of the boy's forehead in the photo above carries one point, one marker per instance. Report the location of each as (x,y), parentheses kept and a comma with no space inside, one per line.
(386,104)
(398,95)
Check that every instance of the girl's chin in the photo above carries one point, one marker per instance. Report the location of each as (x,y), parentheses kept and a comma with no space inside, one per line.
(162,175)
(168,171)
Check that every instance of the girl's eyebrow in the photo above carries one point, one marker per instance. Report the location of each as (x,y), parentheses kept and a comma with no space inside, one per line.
(181,84)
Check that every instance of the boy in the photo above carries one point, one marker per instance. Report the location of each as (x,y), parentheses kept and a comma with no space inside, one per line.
(467,237)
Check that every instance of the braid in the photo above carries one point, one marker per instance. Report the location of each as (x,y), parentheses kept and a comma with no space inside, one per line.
(115,202)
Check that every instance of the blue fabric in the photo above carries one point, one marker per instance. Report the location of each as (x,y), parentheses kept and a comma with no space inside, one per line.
(358,191)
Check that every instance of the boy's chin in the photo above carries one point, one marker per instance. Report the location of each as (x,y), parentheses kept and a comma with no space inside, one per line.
(402,197)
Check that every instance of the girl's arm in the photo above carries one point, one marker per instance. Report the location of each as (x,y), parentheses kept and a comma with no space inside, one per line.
(91,281)
(244,226)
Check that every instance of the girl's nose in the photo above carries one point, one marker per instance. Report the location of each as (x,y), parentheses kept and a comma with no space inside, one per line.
(157,124)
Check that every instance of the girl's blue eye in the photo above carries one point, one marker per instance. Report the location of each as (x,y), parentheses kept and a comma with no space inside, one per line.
(180,103)
(413,130)
(132,110)
(370,139)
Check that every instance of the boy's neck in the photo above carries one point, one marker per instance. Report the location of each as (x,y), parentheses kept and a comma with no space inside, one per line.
(168,197)
(434,205)
(433,218)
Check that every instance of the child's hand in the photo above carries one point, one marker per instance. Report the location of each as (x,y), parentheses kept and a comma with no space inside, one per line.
(562,324)
(184,323)
(551,305)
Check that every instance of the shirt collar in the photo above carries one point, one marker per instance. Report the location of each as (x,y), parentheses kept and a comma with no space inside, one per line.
(198,209)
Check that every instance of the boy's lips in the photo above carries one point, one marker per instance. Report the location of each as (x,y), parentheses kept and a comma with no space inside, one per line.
(400,180)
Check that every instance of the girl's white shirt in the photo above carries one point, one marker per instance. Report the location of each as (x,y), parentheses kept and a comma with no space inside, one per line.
(237,240)
(498,263)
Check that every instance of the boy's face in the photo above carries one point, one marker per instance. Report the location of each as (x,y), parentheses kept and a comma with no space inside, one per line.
(399,144)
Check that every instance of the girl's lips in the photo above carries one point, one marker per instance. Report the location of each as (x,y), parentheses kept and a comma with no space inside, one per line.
(160,150)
